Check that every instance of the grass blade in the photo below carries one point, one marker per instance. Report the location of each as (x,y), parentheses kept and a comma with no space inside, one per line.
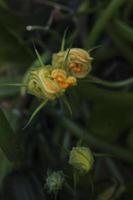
(9,140)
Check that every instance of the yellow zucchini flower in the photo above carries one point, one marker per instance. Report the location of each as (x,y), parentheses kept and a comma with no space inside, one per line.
(47,82)
(78,61)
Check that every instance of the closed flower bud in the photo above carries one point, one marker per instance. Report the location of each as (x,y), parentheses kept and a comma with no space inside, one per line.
(55,181)
(71,81)
(81,158)
(78,61)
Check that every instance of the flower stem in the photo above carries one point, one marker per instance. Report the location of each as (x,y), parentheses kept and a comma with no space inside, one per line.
(111,84)
(69,188)
(125,30)
(114,150)
(121,45)
(74,182)
(55,196)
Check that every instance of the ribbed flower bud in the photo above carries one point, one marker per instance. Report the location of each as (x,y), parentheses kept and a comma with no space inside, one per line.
(55,181)
(49,82)
(81,158)
(78,61)
(41,84)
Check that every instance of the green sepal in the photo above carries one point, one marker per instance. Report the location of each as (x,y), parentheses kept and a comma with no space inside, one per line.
(42,104)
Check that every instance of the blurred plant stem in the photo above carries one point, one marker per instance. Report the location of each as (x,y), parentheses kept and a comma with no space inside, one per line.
(97,94)
(69,188)
(103,55)
(118,176)
(109,84)
(99,26)
(9,141)
(74,183)
(114,170)
(95,142)
(124,30)
(54,4)
(122,46)
(128,10)
(21,42)
(5,166)
(3,4)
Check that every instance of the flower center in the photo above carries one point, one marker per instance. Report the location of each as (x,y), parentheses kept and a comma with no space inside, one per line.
(61,78)
(76,67)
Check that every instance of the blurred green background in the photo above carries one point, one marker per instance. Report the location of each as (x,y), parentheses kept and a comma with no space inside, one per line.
(102,116)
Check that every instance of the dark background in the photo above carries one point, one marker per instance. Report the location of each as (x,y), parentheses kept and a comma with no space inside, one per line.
(102,116)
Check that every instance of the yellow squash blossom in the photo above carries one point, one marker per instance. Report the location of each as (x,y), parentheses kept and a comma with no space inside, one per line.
(49,83)
(77,61)
(42,85)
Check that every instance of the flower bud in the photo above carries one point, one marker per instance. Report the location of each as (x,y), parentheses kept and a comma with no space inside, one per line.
(81,158)
(78,61)
(55,181)
(71,81)
(41,84)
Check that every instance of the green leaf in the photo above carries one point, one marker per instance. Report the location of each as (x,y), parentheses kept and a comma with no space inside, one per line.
(9,140)
(3,4)
(109,121)
(5,166)
(14,51)
(100,95)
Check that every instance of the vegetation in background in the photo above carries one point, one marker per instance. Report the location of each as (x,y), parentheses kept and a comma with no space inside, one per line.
(86,155)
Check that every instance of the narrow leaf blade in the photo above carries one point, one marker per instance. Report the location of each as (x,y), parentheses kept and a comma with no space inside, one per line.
(9,140)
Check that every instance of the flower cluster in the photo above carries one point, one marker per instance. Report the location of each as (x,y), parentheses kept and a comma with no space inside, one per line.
(51,81)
